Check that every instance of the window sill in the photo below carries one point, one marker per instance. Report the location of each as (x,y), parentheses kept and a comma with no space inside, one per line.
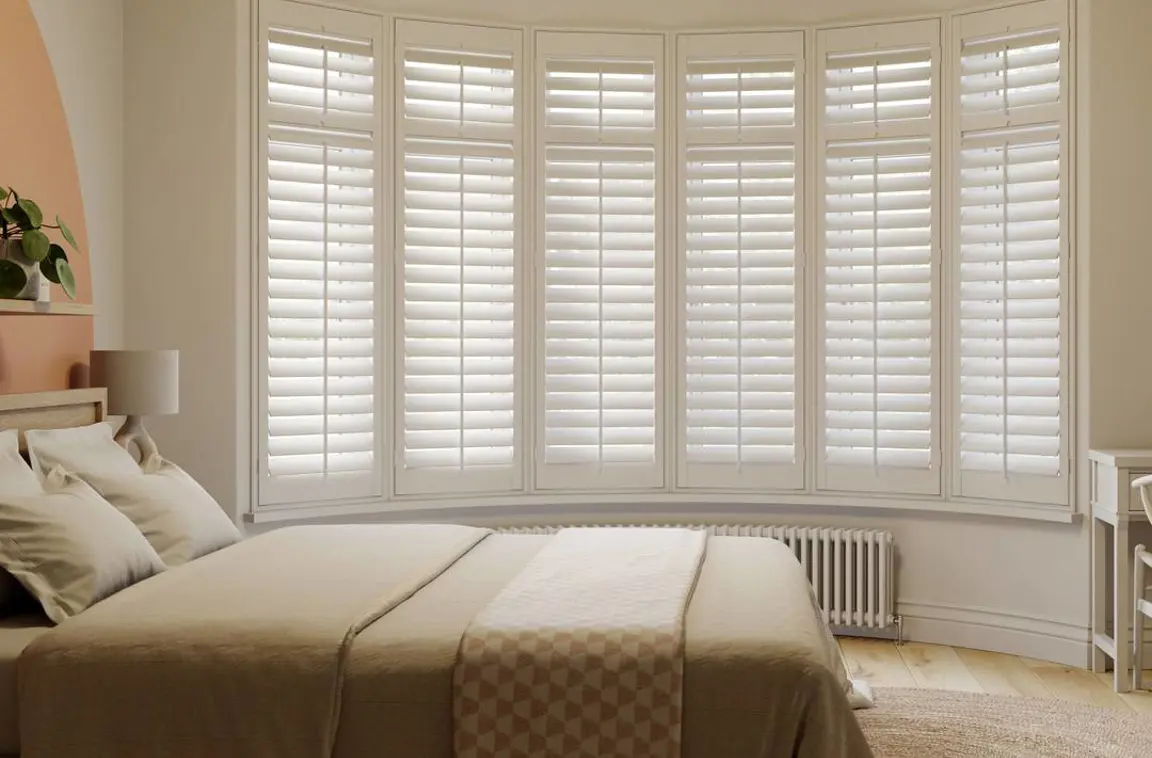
(537,508)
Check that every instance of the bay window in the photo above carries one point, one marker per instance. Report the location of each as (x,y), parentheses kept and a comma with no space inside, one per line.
(788,266)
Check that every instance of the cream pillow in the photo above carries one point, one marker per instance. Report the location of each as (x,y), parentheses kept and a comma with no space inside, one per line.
(70,548)
(82,450)
(16,478)
(178,517)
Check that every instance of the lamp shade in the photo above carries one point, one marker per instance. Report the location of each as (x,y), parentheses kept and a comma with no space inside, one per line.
(139,382)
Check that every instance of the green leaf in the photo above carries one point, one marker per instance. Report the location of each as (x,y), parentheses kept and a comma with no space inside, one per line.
(36,245)
(12,279)
(16,215)
(48,265)
(67,280)
(67,233)
(35,215)
(3,194)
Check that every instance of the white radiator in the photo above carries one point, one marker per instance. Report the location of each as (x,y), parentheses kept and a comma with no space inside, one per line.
(851,570)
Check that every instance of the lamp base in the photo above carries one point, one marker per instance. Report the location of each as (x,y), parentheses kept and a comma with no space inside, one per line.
(133,432)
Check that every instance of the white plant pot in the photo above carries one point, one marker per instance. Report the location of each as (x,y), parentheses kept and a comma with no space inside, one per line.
(38,287)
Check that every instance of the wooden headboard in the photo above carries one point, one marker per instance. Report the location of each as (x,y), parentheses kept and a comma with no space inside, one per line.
(52,410)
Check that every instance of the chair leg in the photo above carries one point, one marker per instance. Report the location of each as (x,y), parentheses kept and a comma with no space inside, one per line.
(1138,587)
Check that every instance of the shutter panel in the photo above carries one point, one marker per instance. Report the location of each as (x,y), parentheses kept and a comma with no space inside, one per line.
(879,251)
(320,221)
(740,138)
(1012,257)
(600,96)
(600,419)
(321,74)
(460,142)
(738,98)
(878,86)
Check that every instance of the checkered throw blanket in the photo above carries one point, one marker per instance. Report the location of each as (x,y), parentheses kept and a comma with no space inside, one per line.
(582,655)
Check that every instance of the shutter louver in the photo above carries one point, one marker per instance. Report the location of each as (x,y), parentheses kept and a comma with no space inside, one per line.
(600,418)
(600,312)
(878,304)
(740,288)
(320,219)
(600,96)
(740,144)
(471,93)
(1012,256)
(458,394)
(1004,75)
(322,75)
(878,86)
(740,95)
(879,253)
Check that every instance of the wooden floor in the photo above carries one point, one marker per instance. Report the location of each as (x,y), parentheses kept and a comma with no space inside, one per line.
(883,664)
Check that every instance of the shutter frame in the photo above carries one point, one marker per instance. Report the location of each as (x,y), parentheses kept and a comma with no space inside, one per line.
(704,412)
(555,468)
(295,134)
(496,454)
(880,137)
(1022,125)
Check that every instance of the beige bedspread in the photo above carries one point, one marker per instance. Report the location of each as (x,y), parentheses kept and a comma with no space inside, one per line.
(225,653)
(237,655)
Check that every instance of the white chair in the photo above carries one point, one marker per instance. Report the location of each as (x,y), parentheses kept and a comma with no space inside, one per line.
(1140,589)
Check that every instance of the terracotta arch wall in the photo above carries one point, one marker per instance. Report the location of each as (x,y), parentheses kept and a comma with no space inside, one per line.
(39,353)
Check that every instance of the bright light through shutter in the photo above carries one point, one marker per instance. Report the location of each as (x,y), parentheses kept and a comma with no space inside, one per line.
(1012,256)
(880,86)
(878,304)
(320,221)
(878,296)
(321,74)
(600,423)
(1006,74)
(600,95)
(747,95)
(460,142)
(741,142)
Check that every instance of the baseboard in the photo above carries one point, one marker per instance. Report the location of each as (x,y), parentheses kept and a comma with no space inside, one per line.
(1045,639)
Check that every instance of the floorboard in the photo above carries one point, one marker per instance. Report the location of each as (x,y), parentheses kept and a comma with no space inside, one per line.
(884,664)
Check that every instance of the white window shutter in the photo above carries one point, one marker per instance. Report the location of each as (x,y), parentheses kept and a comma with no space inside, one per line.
(320,221)
(1012,261)
(878,243)
(460,140)
(599,420)
(740,143)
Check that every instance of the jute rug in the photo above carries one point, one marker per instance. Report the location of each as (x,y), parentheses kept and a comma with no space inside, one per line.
(934,724)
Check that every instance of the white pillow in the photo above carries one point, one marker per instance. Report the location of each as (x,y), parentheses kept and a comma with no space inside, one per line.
(70,548)
(16,478)
(178,517)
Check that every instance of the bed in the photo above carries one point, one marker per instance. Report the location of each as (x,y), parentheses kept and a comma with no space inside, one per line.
(347,641)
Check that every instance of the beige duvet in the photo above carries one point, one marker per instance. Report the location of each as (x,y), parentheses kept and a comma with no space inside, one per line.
(317,641)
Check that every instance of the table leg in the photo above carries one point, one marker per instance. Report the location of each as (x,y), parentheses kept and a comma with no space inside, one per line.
(1099,591)
(1122,607)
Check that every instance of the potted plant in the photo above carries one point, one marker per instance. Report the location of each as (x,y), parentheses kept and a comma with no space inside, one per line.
(27,253)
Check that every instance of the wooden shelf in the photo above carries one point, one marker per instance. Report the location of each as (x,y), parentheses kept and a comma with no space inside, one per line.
(57,308)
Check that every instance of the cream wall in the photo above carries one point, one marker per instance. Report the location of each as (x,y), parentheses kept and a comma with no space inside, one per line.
(86,46)
(662,14)
(1119,112)
(1011,585)
(180,86)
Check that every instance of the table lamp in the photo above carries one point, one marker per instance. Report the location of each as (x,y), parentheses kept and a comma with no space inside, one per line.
(140,383)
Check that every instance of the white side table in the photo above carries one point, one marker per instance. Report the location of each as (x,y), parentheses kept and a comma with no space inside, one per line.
(1114,503)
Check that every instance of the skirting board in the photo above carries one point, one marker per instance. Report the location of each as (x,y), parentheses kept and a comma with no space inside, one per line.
(990,629)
